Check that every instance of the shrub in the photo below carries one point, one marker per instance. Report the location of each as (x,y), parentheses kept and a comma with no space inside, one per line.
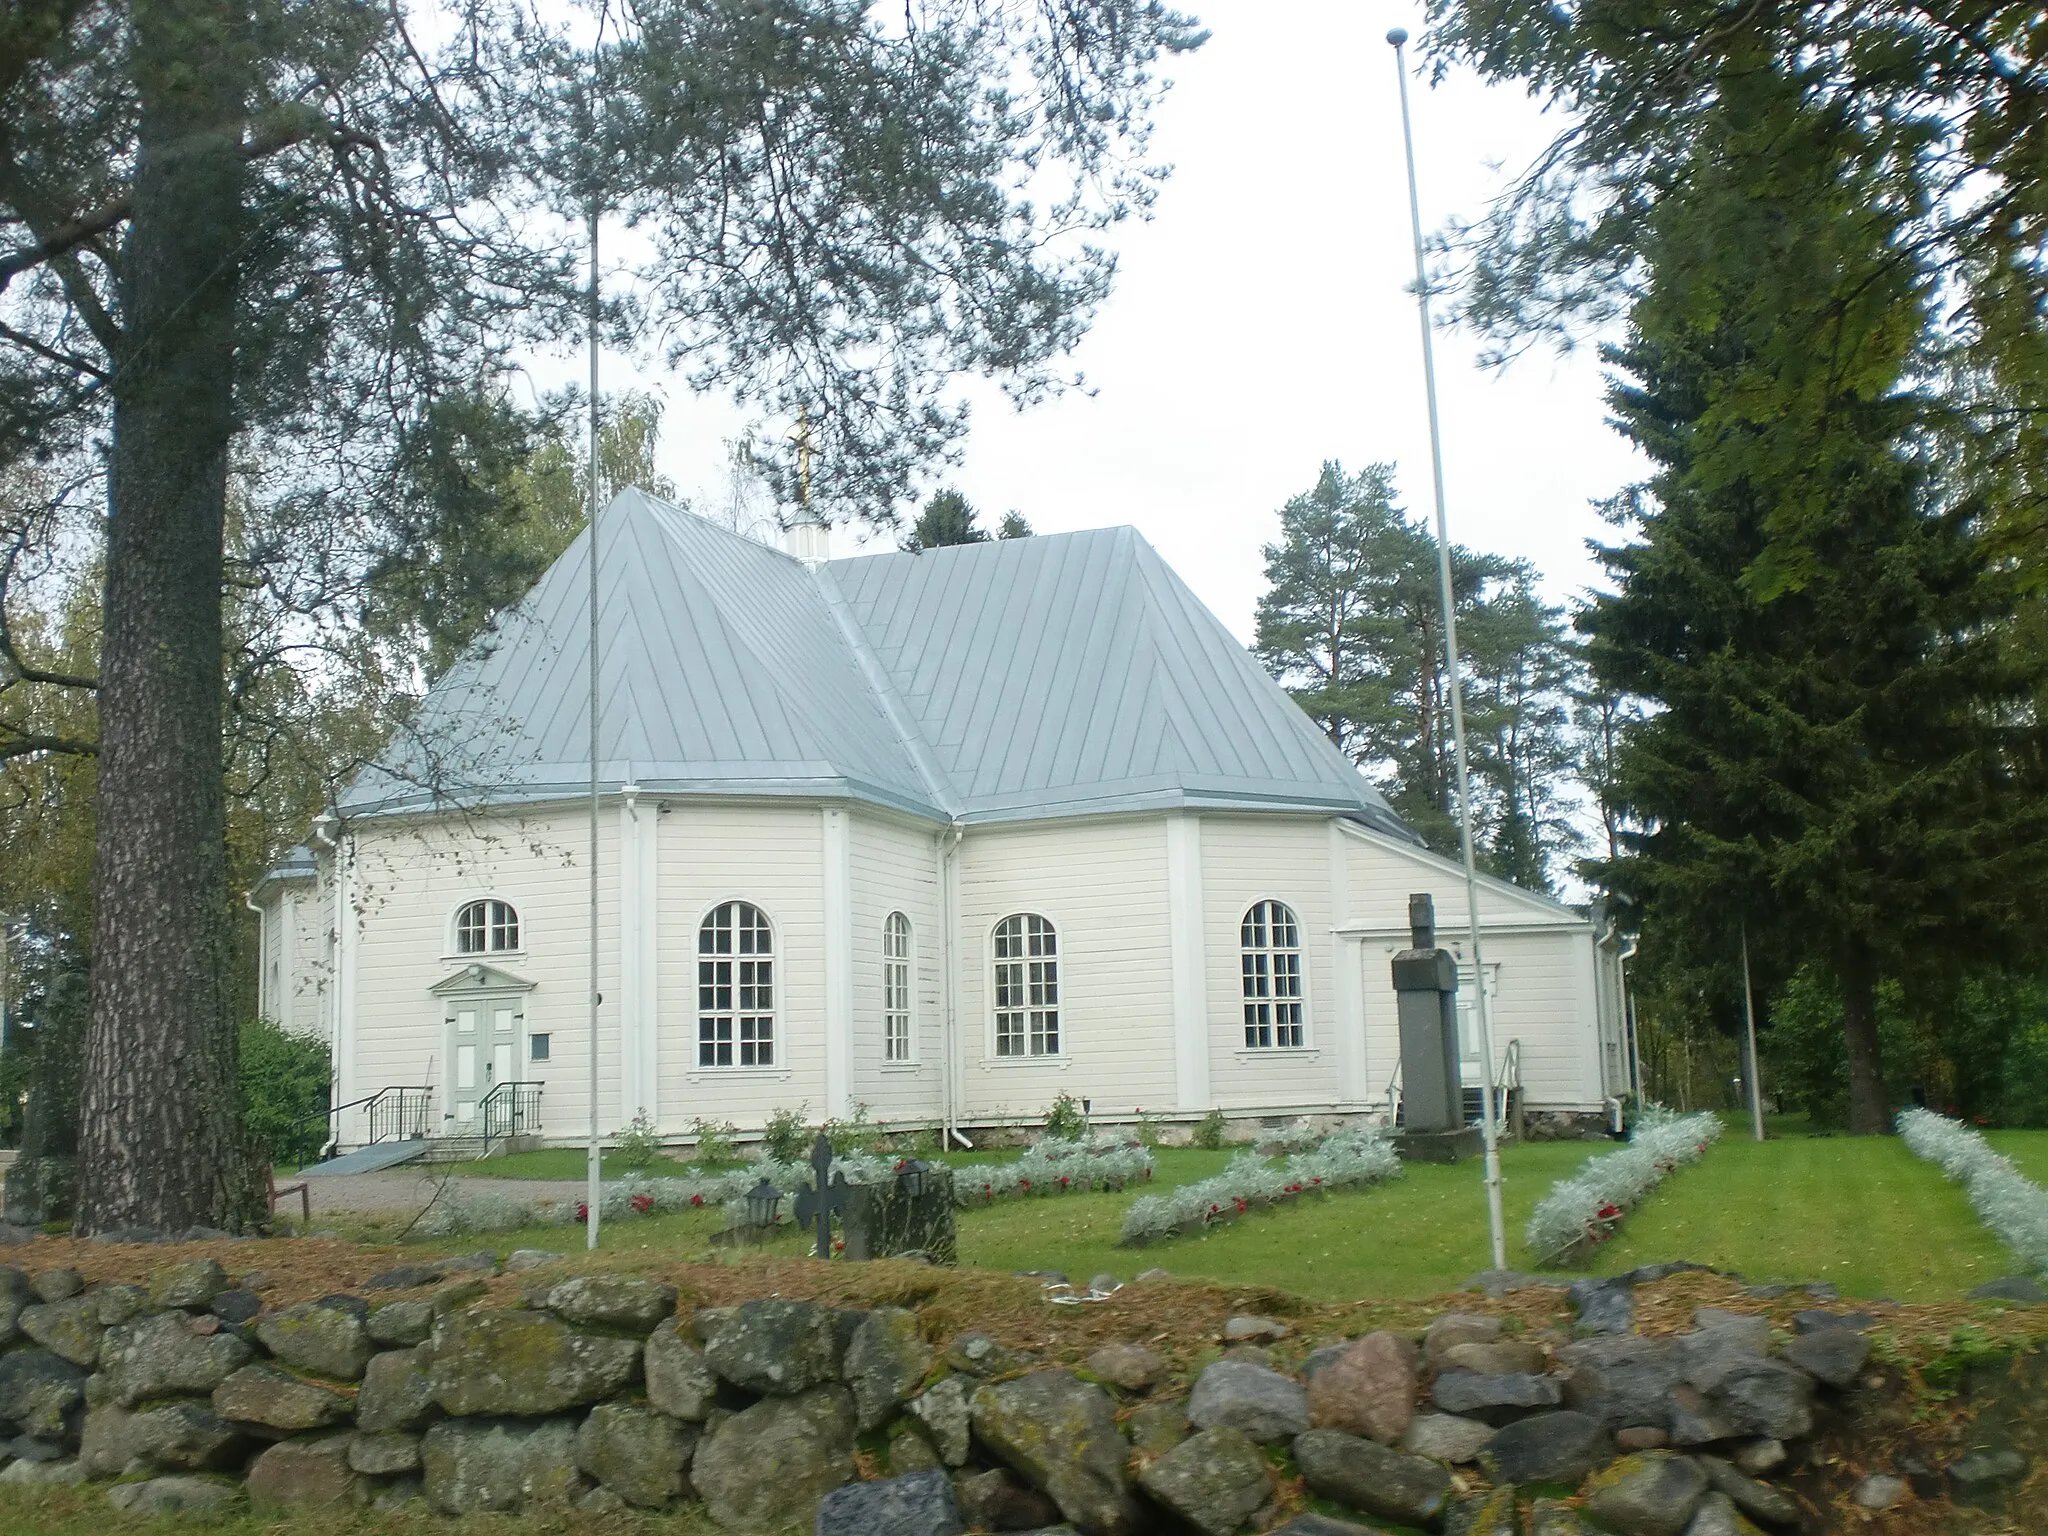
(1209,1131)
(1346,1159)
(1065,1120)
(2009,1203)
(1056,1166)
(1582,1212)
(284,1079)
(787,1136)
(856,1133)
(639,1148)
(714,1141)
(1148,1129)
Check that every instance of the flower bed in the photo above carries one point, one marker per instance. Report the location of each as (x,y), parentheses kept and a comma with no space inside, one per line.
(1347,1159)
(2013,1206)
(1053,1167)
(1584,1211)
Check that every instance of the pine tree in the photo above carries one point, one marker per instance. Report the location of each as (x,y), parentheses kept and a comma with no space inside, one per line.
(947,518)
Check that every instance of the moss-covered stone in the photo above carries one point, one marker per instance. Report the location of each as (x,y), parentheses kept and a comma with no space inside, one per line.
(640,1453)
(507,1465)
(775,1347)
(329,1337)
(402,1324)
(388,1453)
(885,1363)
(167,1353)
(276,1399)
(504,1362)
(184,1435)
(1653,1493)
(1060,1433)
(306,1473)
(396,1393)
(192,1284)
(613,1301)
(39,1391)
(766,1468)
(680,1381)
(70,1329)
(1215,1481)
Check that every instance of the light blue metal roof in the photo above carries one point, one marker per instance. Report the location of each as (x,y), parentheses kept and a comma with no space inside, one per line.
(1058,675)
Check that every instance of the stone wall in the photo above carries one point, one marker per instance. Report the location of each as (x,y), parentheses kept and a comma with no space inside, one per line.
(190,1393)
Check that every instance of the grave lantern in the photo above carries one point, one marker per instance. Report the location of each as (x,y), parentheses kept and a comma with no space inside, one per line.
(762,1200)
(910,1178)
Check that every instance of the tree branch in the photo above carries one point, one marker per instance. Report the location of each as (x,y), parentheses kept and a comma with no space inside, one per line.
(24,745)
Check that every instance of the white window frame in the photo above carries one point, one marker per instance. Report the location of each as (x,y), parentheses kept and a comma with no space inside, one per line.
(899,990)
(1265,963)
(1040,1010)
(492,904)
(745,1030)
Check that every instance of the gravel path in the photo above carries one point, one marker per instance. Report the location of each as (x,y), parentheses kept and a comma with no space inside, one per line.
(408,1189)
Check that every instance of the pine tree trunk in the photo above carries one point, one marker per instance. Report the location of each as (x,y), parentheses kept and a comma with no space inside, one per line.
(160,1133)
(1867,1111)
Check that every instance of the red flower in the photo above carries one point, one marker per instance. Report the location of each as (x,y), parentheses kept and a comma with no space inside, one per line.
(839,1246)
(1023,1183)
(1608,1212)
(1241,1206)
(1148,1173)
(1063,1181)
(696,1199)
(642,1203)
(582,1211)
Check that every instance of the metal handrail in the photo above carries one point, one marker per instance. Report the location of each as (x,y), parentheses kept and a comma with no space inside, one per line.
(509,1110)
(403,1119)
(1506,1081)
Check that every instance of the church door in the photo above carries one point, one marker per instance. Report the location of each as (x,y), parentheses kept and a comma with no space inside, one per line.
(484,1036)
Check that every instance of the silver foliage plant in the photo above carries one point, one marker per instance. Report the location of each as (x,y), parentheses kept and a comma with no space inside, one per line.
(1346,1159)
(2013,1206)
(1582,1212)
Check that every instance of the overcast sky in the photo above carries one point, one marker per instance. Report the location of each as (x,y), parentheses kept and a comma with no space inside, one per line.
(1262,322)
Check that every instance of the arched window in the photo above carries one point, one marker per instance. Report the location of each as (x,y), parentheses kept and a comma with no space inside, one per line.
(1271,940)
(735,988)
(485,926)
(1027,987)
(896,988)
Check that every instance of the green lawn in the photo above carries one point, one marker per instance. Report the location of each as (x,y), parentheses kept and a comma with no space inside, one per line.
(2027,1149)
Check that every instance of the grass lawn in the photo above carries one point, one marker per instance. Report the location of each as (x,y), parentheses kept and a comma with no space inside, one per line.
(2027,1149)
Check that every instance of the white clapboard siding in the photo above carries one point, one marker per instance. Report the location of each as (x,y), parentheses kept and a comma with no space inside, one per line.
(895,869)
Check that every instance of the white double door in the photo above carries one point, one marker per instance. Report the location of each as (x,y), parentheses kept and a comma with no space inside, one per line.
(485,1038)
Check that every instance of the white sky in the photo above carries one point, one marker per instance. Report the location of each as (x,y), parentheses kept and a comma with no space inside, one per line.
(1262,322)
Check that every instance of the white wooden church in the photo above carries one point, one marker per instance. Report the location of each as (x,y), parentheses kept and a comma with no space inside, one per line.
(945,834)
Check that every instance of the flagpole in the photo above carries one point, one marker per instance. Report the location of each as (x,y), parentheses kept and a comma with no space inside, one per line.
(594,1197)
(1495,1220)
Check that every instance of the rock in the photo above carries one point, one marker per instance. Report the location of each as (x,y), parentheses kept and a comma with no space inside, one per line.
(118,1303)
(775,1348)
(1604,1306)
(173,1496)
(1132,1367)
(1452,1329)
(1157,1428)
(768,1467)
(1254,1330)
(1554,1517)
(398,1493)
(979,1355)
(69,1329)
(519,1260)
(396,1393)
(1651,1494)
(1718,1516)
(1879,1491)
(1369,1477)
(183,1435)
(1623,1380)
(2011,1288)
(14,1295)
(1503,1357)
(1696,1421)
(305,1472)
(911,1450)
(405,1277)
(1713,1354)
(525,1363)
(39,1391)
(1446,1437)
(680,1381)
(1261,1402)
(1813,1320)
(235,1305)
(29,1448)
(1103,1284)
(47,1474)
(387,1453)
(1822,1290)
(1491,1513)
(455,1295)
(1980,1478)
(1759,1501)
(1641,1437)
(263,1394)
(1494,1398)
(613,1301)
(1215,1481)
(1754,1324)
(922,1504)
(943,1410)
(1767,1398)
(191,1284)
(507,1465)
(479,1263)
(329,1337)
(1547,1448)
(1833,1356)
(1146,1276)
(996,1501)
(885,1363)
(1756,1457)
(641,1454)
(401,1323)
(1060,1432)
(57,1284)
(1320,1525)
(1369,1389)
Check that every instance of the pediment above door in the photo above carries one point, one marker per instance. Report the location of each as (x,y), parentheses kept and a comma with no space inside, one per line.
(478,977)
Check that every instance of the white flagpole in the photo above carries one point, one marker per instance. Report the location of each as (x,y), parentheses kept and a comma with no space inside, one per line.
(595,1194)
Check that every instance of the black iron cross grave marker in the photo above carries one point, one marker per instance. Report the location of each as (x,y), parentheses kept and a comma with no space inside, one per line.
(820,1204)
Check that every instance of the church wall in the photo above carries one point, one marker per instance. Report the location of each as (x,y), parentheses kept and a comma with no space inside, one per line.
(1103,885)
(409,880)
(772,856)
(1247,859)
(895,869)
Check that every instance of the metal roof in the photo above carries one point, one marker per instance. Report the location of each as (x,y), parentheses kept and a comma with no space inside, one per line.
(1057,675)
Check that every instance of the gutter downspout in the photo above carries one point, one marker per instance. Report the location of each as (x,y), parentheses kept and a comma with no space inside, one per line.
(949,850)
(1628,1020)
(262,952)
(326,839)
